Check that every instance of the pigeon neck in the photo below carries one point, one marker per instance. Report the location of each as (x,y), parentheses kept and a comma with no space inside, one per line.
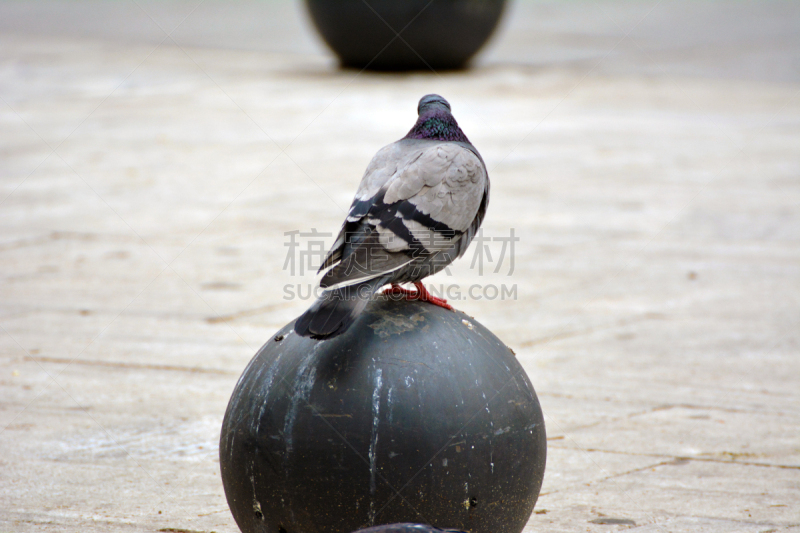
(437,125)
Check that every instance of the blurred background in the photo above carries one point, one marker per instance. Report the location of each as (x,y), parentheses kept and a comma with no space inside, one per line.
(156,157)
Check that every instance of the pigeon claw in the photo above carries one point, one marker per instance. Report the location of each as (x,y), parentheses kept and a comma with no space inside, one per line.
(420,294)
(425,296)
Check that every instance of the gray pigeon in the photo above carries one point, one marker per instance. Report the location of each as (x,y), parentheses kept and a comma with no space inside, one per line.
(406,528)
(417,208)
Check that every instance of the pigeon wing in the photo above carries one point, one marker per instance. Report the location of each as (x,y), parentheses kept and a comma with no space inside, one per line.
(438,197)
(381,169)
(412,199)
(367,260)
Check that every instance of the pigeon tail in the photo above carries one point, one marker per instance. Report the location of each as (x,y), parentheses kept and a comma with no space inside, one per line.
(336,309)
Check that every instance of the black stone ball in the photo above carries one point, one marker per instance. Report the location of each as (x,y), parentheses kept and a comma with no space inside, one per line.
(414,414)
(437,34)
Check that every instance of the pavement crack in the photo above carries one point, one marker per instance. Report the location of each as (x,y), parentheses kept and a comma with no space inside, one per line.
(143,366)
(679,459)
(244,313)
(589,330)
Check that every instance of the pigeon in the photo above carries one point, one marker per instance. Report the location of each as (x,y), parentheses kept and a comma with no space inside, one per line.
(416,210)
(406,528)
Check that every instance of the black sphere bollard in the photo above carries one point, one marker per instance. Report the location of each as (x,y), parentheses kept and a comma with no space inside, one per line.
(415,414)
(433,34)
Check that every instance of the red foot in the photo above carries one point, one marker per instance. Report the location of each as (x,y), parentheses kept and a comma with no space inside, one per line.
(420,294)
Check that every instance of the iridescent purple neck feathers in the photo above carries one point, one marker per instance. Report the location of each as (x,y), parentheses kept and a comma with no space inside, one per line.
(437,125)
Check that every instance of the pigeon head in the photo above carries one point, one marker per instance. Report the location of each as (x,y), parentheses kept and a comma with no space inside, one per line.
(435,121)
(429,101)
